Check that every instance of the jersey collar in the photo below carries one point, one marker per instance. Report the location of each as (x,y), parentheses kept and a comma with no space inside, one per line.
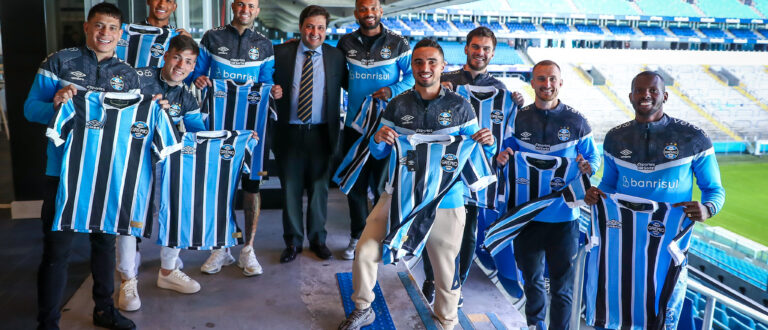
(167,26)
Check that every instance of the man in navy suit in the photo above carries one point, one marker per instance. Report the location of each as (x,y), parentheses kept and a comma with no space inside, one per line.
(311,74)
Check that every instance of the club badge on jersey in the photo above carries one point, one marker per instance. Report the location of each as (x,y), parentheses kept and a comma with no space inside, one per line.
(106,177)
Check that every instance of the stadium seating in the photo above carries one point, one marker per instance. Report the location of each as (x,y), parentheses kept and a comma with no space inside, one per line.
(713,32)
(559,27)
(621,29)
(467,25)
(683,31)
(764,32)
(653,31)
(589,28)
(416,25)
(494,26)
(393,23)
(507,55)
(525,27)
(726,8)
(754,78)
(743,33)
(734,265)
(667,8)
(612,7)
(441,25)
(541,6)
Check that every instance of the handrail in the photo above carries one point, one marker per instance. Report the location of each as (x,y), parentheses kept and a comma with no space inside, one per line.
(714,296)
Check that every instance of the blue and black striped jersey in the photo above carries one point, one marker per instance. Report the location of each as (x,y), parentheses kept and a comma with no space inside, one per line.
(106,175)
(422,171)
(640,251)
(352,164)
(144,45)
(241,106)
(495,110)
(198,190)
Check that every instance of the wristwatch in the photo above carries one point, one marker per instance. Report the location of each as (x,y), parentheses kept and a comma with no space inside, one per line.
(711,208)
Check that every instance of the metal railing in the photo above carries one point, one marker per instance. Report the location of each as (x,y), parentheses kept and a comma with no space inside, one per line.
(745,306)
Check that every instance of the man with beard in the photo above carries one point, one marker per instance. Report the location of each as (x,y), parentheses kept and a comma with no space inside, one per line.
(236,51)
(377,58)
(429,101)
(481,44)
(550,127)
(671,153)
(61,76)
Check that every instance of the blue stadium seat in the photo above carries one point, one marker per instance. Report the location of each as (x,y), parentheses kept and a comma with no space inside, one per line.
(720,314)
(760,326)
(559,27)
(526,27)
(653,31)
(741,268)
(726,8)
(743,33)
(464,26)
(764,32)
(735,324)
(718,325)
(713,32)
(441,25)
(686,315)
(699,322)
(621,29)
(745,320)
(682,31)
(589,28)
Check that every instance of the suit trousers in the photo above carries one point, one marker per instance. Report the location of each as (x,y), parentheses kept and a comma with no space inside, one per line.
(372,176)
(304,161)
(52,273)
(443,244)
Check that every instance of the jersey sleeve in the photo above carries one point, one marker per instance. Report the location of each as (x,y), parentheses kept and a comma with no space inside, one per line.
(610,174)
(193,119)
(587,148)
(406,82)
(166,139)
(266,70)
(61,124)
(203,60)
(38,107)
(471,127)
(707,174)
(250,145)
(382,150)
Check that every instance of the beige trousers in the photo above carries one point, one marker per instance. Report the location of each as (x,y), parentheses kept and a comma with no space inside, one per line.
(443,246)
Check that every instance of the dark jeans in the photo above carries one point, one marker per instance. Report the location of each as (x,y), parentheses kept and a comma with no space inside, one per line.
(373,175)
(557,243)
(467,251)
(304,162)
(52,273)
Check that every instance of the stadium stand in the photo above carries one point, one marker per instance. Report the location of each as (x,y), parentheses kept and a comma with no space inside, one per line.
(713,32)
(621,29)
(683,31)
(466,25)
(416,25)
(724,104)
(612,7)
(524,27)
(393,23)
(484,5)
(441,26)
(741,268)
(763,32)
(653,31)
(743,33)
(667,8)
(589,28)
(755,81)
(559,27)
(726,8)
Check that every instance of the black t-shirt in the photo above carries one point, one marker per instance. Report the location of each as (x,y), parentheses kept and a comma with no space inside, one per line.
(368,41)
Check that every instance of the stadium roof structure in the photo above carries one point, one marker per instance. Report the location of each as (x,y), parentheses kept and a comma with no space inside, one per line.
(284,15)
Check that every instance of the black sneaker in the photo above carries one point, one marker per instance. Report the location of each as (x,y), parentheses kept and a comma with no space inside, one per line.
(461,300)
(110,318)
(358,319)
(428,289)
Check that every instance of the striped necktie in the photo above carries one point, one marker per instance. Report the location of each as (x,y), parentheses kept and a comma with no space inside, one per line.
(304,109)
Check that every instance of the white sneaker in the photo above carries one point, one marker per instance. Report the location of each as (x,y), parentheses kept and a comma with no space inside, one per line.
(179,264)
(218,258)
(177,281)
(248,262)
(349,252)
(128,299)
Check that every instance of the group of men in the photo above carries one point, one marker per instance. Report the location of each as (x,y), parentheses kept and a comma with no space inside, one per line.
(308,76)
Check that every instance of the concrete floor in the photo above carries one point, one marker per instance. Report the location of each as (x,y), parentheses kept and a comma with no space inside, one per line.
(302,294)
